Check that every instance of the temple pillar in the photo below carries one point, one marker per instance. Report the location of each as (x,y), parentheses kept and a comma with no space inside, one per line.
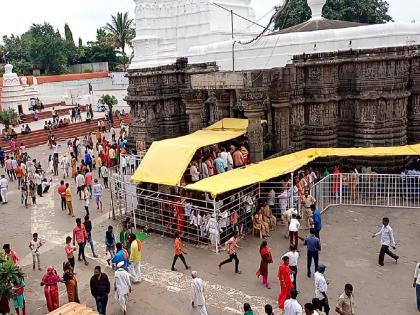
(255,135)
(281,126)
(194,100)
(224,104)
(253,103)
(195,121)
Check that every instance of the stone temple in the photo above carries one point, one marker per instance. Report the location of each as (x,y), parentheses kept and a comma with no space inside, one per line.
(322,83)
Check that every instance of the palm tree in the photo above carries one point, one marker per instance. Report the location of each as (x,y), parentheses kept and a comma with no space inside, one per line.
(122,30)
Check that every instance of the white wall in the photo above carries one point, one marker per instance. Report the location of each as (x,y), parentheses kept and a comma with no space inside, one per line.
(78,91)
(278,50)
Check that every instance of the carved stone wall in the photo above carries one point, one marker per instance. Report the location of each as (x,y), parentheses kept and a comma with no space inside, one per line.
(342,99)
(155,97)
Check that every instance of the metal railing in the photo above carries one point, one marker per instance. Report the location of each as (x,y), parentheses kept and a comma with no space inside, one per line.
(382,190)
(209,222)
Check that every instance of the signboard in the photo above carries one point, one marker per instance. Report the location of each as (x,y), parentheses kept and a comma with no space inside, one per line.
(219,81)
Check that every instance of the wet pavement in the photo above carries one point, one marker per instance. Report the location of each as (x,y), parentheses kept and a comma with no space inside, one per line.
(347,249)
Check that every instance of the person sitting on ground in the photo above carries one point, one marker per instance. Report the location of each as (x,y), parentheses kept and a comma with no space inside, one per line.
(45,125)
(268,216)
(259,222)
(60,123)
(22,129)
(46,185)
(27,129)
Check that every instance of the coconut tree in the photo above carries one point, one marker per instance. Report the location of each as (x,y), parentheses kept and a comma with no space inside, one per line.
(122,30)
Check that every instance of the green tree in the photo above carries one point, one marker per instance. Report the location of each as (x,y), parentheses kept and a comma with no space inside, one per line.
(80,42)
(68,34)
(361,11)
(122,31)
(7,116)
(9,274)
(47,49)
(109,100)
(17,48)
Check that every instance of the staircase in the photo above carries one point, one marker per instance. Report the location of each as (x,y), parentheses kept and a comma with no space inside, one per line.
(39,137)
(48,114)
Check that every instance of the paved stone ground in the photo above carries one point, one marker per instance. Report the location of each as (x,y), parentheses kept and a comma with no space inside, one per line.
(348,250)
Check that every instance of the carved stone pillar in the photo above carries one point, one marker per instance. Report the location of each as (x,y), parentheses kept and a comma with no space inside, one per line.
(223,103)
(281,126)
(194,101)
(253,100)
(193,111)
(255,135)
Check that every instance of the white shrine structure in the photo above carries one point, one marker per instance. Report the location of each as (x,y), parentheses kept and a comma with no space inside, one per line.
(167,29)
(201,31)
(13,94)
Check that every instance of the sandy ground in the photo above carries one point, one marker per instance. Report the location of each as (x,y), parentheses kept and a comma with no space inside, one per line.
(347,249)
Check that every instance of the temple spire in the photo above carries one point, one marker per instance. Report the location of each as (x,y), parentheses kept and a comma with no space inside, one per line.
(316,8)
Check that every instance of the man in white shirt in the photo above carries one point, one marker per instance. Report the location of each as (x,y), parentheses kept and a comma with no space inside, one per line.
(321,287)
(387,239)
(294,226)
(4,185)
(122,286)
(292,306)
(195,174)
(97,192)
(197,293)
(227,159)
(293,255)
(104,175)
(123,164)
(38,182)
(80,181)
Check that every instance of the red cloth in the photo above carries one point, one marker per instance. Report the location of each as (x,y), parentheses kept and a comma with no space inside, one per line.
(286,284)
(335,185)
(180,216)
(266,258)
(50,280)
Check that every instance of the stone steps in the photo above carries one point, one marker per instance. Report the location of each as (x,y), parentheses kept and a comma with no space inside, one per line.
(40,137)
(48,114)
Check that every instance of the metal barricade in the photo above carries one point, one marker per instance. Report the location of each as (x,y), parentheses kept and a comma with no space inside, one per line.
(200,219)
(381,190)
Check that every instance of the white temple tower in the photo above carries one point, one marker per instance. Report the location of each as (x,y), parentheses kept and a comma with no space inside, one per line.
(166,29)
(13,94)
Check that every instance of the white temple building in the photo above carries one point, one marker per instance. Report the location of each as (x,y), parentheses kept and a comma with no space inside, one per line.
(167,29)
(13,94)
(199,30)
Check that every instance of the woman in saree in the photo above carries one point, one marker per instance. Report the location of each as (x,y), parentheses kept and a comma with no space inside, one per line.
(50,282)
(266,258)
(73,167)
(71,283)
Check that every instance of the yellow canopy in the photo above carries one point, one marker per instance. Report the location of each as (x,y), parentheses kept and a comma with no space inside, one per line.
(268,169)
(166,161)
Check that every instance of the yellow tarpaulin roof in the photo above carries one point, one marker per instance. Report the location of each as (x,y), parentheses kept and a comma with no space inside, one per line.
(166,161)
(268,169)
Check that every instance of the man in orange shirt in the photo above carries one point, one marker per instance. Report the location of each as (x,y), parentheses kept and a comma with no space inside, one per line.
(20,174)
(179,252)
(62,193)
(238,158)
